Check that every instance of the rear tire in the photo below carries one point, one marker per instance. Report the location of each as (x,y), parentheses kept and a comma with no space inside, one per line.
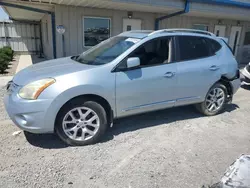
(215,100)
(77,130)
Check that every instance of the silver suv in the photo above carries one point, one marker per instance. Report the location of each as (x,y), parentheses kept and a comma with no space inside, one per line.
(135,72)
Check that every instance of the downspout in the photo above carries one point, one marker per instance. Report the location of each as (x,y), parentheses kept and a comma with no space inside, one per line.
(186,10)
(53,23)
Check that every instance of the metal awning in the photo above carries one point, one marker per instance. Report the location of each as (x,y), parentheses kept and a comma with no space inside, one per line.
(22,14)
(159,6)
(230,9)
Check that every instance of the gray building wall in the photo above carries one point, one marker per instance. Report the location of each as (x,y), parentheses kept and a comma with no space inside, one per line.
(72,19)
(244,50)
(46,28)
(219,11)
(188,22)
(23,37)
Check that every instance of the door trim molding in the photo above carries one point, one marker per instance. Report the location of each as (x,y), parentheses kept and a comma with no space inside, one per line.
(148,105)
(161,103)
(187,98)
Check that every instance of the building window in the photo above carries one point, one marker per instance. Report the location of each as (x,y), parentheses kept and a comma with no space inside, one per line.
(247,38)
(200,27)
(96,30)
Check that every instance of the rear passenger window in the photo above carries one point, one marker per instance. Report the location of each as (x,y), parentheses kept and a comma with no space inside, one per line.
(214,45)
(193,48)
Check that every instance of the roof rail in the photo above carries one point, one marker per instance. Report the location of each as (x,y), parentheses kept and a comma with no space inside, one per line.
(183,30)
(138,31)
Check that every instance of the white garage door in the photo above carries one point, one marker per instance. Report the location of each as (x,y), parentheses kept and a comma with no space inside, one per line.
(22,37)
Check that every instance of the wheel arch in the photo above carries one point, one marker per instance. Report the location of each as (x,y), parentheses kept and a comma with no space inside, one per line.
(225,81)
(96,98)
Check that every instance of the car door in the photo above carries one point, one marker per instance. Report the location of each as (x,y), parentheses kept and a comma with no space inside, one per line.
(150,86)
(197,68)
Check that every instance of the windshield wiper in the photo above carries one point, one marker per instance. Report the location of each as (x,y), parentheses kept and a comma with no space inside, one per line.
(75,57)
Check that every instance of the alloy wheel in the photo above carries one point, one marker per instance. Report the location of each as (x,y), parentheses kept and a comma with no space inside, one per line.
(215,99)
(81,124)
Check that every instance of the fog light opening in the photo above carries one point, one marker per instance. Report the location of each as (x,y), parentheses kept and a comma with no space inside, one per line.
(21,119)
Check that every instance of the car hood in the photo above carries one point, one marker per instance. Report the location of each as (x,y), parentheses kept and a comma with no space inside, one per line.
(49,69)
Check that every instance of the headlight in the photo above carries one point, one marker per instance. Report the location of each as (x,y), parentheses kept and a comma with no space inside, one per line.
(32,90)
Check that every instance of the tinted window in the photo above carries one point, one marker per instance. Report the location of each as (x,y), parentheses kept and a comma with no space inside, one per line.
(154,52)
(193,48)
(214,45)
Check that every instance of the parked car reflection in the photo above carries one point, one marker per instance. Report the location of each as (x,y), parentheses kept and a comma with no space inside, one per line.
(245,78)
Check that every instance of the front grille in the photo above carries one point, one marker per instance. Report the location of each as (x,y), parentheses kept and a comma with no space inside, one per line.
(11,87)
(8,85)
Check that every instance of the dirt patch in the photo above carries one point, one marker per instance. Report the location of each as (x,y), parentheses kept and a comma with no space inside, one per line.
(12,67)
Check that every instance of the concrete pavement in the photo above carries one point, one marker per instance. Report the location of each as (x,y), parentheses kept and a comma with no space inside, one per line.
(24,61)
(4,80)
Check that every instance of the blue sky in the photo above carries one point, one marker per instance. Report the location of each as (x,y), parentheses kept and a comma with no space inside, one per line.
(3,15)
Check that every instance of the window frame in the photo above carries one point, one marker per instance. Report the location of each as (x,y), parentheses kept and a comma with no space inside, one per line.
(174,55)
(93,17)
(178,49)
(209,41)
(229,47)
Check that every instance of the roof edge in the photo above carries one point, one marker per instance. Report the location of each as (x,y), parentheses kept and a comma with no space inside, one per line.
(224,2)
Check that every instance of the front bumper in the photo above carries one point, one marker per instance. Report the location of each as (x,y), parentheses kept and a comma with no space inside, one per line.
(28,115)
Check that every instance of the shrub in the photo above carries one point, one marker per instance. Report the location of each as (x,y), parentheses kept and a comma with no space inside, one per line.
(6,55)
(3,63)
(8,51)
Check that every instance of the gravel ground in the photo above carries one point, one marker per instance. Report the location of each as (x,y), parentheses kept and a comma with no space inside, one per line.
(175,148)
(3,113)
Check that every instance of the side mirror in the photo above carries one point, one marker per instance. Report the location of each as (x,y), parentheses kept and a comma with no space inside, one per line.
(133,62)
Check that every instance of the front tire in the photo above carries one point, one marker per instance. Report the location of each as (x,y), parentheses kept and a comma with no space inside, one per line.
(81,122)
(215,100)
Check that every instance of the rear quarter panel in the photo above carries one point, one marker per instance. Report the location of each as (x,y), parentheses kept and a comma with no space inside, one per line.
(228,63)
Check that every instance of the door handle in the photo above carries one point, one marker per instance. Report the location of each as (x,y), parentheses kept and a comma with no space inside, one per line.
(169,74)
(214,68)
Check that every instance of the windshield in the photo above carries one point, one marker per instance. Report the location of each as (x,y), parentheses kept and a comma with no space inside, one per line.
(106,51)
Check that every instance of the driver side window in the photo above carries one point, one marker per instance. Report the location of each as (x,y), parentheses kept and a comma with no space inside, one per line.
(154,52)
